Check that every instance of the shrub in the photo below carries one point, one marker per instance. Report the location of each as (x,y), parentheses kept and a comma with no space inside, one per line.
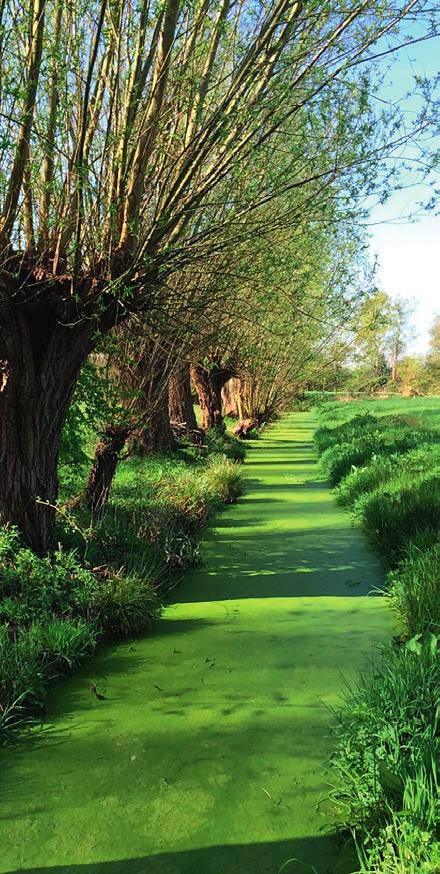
(339,460)
(393,516)
(365,479)
(183,504)
(415,590)
(361,424)
(22,672)
(185,499)
(223,480)
(400,847)
(224,444)
(64,643)
(383,468)
(124,605)
(387,754)
(33,588)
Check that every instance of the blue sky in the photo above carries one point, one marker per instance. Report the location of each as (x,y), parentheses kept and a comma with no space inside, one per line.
(408,249)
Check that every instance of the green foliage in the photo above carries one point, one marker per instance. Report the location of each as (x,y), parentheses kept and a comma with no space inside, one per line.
(424,410)
(385,439)
(387,757)
(54,610)
(22,673)
(31,656)
(89,409)
(362,480)
(387,760)
(183,502)
(225,444)
(34,588)
(382,468)
(124,605)
(64,643)
(327,437)
(308,400)
(223,480)
(414,588)
(399,511)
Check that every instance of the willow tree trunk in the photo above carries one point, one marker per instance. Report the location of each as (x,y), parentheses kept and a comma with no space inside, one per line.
(232,399)
(208,383)
(156,434)
(40,361)
(105,461)
(180,403)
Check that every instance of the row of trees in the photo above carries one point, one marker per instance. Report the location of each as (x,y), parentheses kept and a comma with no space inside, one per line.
(179,188)
(372,354)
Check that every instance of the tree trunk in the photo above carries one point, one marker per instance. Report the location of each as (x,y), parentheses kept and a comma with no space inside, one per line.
(105,462)
(156,434)
(230,396)
(208,384)
(180,403)
(40,361)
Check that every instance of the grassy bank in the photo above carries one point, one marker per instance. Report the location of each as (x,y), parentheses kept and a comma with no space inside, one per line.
(384,460)
(106,580)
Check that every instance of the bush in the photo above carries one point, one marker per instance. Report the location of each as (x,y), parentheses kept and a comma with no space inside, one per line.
(223,480)
(388,744)
(224,444)
(30,657)
(365,479)
(182,505)
(33,588)
(396,513)
(22,672)
(124,605)
(387,757)
(382,468)
(185,498)
(414,589)
(340,459)
(64,643)
(359,425)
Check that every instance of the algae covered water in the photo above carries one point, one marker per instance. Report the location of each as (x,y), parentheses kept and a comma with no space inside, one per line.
(208,751)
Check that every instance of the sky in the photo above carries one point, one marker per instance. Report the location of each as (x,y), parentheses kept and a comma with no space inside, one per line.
(408,247)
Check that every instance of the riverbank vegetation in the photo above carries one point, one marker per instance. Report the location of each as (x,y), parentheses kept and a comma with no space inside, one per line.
(385,464)
(182,226)
(108,577)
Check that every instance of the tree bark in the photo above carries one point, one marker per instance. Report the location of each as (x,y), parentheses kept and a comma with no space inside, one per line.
(208,383)
(229,399)
(156,434)
(180,403)
(105,462)
(40,361)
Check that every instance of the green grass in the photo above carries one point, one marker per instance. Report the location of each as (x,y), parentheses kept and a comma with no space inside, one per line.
(108,579)
(387,761)
(425,409)
(385,458)
(415,591)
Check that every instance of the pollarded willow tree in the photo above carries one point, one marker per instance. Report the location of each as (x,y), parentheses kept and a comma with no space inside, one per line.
(119,122)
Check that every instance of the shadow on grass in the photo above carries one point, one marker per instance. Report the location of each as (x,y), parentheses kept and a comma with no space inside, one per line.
(323,855)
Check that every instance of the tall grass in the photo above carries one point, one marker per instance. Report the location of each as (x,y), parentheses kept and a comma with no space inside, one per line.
(387,469)
(108,579)
(387,762)
(414,589)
